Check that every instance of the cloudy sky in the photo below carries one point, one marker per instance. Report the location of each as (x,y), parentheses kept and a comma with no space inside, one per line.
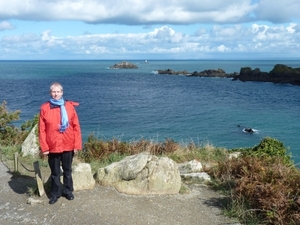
(149,29)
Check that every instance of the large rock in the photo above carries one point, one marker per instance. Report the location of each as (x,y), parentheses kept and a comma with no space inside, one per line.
(279,74)
(124,65)
(192,172)
(82,177)
(142,174)
(205,73)
(30,145)
(190,167)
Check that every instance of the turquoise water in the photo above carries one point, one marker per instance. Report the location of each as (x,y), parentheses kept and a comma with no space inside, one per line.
(139,103)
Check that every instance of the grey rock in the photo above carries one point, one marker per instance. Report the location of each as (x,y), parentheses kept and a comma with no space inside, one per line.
(142,174)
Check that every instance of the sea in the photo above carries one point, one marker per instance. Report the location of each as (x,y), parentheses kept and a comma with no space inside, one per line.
(135,104)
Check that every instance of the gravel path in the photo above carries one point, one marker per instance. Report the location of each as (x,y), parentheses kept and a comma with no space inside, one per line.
(105,206)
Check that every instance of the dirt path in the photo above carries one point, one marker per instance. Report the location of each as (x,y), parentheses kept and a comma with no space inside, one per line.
(105,206)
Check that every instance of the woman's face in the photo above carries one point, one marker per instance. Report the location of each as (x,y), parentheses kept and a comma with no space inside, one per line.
(56,93)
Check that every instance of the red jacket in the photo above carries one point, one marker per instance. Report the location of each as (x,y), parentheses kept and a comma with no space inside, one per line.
(51,139)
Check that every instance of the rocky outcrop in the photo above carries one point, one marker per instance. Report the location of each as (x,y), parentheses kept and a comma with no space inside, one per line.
(30,145)
(124,65)
(142,174)
(213,73)
(279,74)
(204,73)
(172,72)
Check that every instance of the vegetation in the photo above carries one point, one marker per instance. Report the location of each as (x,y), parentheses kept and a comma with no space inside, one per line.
(9,133)
(261,185)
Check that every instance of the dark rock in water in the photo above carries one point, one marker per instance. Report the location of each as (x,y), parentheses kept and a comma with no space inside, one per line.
(205,73)
(279,74)
(248,130)
(172,72)
(213,73)
(124,65)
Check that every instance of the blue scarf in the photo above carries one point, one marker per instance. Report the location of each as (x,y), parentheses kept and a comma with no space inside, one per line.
(63,113)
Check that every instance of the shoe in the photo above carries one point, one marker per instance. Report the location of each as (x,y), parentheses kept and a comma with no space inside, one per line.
(53,199)
(69,196)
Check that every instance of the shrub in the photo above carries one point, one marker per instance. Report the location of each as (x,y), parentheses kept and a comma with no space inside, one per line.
(265,180)
(270,149)
(9,133)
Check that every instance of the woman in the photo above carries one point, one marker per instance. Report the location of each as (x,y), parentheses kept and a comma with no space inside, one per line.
(60,138)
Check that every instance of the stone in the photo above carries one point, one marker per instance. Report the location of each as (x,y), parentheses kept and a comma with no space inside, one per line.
(30,145)
(82,177)
(190,167)
(234,155)
(33,201)
(142,174)
(196,177)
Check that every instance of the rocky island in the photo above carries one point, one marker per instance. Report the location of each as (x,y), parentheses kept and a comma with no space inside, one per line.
(124,65)
(279,74)
(206,73)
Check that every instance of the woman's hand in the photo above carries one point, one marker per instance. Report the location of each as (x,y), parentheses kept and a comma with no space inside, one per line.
(44,154)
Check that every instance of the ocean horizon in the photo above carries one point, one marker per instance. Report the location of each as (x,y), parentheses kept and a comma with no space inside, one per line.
(139,103)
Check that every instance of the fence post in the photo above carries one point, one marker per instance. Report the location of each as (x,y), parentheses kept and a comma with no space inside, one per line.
(38,177)
(16,162)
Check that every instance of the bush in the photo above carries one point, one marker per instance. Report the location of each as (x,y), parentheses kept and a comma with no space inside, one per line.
(270,148)
(9,133)
(265,180)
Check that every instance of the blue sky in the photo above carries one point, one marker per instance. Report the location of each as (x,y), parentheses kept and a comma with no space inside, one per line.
(153,29)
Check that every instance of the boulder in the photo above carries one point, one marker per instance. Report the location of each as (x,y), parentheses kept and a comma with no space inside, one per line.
(142,174)
(190,167)
(192,172)
(82,177)
(30,145)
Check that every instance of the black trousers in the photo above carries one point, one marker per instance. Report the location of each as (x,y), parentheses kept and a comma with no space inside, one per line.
(65,160)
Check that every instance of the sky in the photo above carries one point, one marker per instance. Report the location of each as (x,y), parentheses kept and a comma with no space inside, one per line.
(149,29)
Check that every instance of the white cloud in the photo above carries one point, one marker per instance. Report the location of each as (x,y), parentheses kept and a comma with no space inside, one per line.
(278,11)
(130,11)
(291,28)
(175,28)
(5,26)
(222,48)
(161,40)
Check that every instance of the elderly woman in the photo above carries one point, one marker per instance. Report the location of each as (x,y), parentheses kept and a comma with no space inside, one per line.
(60,138)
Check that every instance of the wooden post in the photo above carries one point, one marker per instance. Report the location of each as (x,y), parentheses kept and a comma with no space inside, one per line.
(38,177)
(16,162)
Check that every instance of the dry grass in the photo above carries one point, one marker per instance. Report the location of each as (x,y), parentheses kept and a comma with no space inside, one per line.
(106,152)
(267,189)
